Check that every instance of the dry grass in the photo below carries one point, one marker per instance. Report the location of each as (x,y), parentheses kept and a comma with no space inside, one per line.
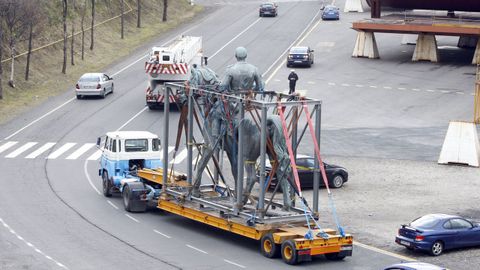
(46,79)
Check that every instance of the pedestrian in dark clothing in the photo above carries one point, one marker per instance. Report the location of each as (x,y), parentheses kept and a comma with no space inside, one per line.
(292,78)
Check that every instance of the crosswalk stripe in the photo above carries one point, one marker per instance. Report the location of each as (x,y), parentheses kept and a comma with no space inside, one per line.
(80,151)
(41,150)
(61,150)
(7,145)
(96,155)
(20,150)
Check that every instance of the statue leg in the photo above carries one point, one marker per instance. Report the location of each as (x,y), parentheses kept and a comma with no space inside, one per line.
(250,168)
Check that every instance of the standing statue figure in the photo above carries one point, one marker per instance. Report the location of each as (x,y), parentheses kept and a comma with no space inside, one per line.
(241,75)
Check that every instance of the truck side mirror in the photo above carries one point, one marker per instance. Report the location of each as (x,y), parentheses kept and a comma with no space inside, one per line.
(99,140)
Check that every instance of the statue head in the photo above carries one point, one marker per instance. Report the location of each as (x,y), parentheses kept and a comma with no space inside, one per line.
(240,53)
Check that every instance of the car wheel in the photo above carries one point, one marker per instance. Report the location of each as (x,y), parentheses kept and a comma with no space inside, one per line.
(268,247)
(104,93)
(337,181)
(437,248)
(106,185)
(260,15)
(111,91)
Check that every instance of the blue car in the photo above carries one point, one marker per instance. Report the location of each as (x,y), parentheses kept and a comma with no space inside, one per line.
(435,233)
(331,12)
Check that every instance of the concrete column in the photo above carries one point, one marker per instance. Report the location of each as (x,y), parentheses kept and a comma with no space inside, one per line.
(476,55)
(353,5)
(467,42)
(426,48)
(366,45)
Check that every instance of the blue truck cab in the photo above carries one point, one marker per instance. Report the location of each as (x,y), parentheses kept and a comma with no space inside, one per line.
(123,153)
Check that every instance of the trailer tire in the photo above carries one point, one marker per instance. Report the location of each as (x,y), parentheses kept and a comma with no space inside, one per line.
(334,256)
(268,247)
(129,203)
(106,185)
(289,252)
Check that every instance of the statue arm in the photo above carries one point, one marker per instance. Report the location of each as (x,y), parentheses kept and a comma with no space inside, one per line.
(259,85)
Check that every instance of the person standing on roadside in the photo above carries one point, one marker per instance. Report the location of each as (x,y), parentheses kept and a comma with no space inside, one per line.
(292,78)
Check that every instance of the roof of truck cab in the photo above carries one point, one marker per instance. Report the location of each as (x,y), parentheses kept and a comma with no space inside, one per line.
(131,135)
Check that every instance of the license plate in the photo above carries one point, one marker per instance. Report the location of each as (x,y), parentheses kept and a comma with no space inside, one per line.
(405,243)
(346,248)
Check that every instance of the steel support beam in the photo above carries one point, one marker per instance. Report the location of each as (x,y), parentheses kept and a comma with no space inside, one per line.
(316,172)
(190,138)
(263,153)
(240,160)
(166,116)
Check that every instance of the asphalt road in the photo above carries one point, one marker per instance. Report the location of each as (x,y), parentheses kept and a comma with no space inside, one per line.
(52,214)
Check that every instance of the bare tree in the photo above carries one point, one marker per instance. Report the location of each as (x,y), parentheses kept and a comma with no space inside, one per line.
(35,18)
(64,67)
(122,6)
(3,9)
(93,21)
(139,6)
(72,60)
(30,37)
(83,12)
(165,6)
(16,23)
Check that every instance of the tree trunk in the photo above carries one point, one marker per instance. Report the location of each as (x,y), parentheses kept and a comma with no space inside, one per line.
(165,6)
(30,37)
(122,6)
(64,67)
(72,60)
(93,20)
(12,67)
(83,31)
(138,14)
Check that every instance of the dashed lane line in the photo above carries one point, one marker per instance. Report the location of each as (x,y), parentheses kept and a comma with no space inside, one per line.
(132,218)
(162,234)
(36,249)
(113,205)
(233,263)
(197,249)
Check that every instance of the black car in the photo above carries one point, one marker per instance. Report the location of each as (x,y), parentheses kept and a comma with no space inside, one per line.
(336,175)
(268,9)
(300,56)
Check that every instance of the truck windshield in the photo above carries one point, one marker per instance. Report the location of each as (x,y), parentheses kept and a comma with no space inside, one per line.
(136,145)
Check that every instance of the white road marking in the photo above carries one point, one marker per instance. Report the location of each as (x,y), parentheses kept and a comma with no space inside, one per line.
(359,85)
(197,249)
(132,218)
(181,156)
(89,179)
(373,86)
(445,91)
(331,83)
(234,38)
(95,155)
(20,150)
(80,151)
(40,118)
(384,252)
(430,90)
(415,89)
(345,84)
(310,82)
(460,93)
(7,145)
(113,205)
(162,234)
(41,150)
(61,150)
(387,87)
(30,244)
(236,264)
(401,88)
(131,119)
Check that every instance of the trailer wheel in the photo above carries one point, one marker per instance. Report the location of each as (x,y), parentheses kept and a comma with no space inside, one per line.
(289,252)
(129,203)
(334,256)
(106,185)
(268,247)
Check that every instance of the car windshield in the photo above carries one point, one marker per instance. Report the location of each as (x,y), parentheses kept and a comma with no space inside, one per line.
(267,5)
(89,78)
(298,50)
(428,221)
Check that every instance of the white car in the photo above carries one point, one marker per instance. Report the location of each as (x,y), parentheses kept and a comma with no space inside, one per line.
(94,84)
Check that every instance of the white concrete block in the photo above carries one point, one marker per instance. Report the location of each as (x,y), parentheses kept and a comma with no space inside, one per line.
(353,6)
(461,145)
(476,55)
(426,48)
(366,45)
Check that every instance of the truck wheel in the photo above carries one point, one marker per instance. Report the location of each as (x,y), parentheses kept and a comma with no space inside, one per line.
(268,247)
(106,184)
(334,256)
(289,252)
(130,204)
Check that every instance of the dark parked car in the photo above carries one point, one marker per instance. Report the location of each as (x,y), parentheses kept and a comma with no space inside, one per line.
(336,175)
(414,266)
(331,12)
(300,56)
(268,9)
(435,233)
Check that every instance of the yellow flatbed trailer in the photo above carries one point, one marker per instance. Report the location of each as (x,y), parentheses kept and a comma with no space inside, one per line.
(286,239)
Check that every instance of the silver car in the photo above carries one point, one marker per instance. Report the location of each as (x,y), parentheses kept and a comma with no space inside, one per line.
(94,84)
